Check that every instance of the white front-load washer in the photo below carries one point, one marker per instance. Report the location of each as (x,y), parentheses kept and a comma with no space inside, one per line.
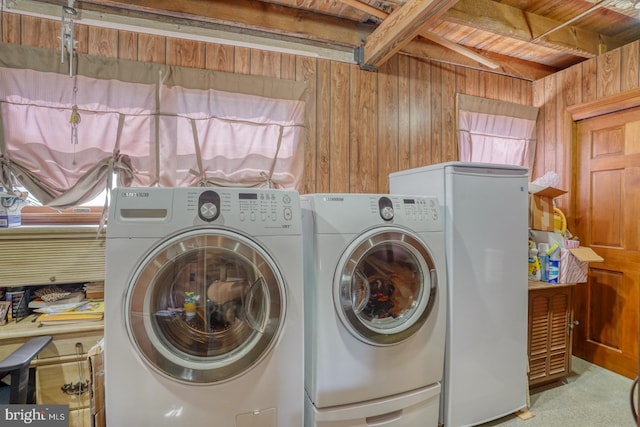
(204,308)
(375,304)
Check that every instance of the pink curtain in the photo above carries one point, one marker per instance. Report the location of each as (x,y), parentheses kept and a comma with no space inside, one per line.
(492,131)
(145,124)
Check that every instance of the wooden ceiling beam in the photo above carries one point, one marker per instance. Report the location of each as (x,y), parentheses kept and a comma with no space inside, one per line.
(271,22)
(511,22)
(399,28)
(242,14)
(380,14)
(508,65)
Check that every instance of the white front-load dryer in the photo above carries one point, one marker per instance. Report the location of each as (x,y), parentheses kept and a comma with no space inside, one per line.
(375,306)
(204,308)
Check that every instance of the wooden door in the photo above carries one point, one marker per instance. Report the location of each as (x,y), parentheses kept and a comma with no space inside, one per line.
(608,220)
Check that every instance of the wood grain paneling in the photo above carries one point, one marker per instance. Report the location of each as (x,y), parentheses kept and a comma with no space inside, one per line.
(127,45)
(404,109)
(185,53)
(608,76)
(420,92)
(629,78)
(10,28)
(219,57)
(152,48)
(265,63)
(608,70)
(102,42)
(242,60)
(362,125)
(388,124)
(322,148)
(339,161)
(306,71)
(363,136)
(39,32)
(449,150)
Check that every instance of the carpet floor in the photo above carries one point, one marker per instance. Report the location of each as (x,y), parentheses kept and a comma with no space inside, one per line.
(589,397)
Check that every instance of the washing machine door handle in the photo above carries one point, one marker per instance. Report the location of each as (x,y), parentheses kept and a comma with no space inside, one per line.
(360,291)
(257,300)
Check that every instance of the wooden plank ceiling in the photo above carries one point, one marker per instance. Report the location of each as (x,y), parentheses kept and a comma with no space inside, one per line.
(528,39)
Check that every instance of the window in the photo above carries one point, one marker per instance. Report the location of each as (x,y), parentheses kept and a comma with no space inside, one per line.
(66,140)
(492,131)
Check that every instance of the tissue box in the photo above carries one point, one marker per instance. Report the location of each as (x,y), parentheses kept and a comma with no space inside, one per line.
(541,215)
(574,264)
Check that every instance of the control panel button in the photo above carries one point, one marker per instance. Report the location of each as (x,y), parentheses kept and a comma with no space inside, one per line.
(387,213)
(288,215)
(208,210)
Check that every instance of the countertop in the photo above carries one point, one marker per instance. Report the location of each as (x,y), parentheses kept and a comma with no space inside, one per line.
(536,284)
(29,327)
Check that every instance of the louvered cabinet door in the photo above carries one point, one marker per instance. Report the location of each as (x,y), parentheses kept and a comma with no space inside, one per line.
(51,255)
(550,317)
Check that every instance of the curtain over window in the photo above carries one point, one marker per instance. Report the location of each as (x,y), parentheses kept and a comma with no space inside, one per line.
(64,138)
(492,131)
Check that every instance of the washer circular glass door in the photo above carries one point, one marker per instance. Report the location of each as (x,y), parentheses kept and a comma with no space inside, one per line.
(385,286)
(205,306)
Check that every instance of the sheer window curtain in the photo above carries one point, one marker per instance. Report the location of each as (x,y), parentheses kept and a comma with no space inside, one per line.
(147,124)
(492,131)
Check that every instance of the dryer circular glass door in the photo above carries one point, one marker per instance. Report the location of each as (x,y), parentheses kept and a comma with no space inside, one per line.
(205,306)
(385,286)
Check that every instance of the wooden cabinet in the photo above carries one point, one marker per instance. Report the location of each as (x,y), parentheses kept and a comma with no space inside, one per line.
(550,327)
(63,376)
(54,255)
(62,369)
(34,255)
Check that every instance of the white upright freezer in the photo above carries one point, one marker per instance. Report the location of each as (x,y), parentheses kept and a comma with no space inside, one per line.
(485,207)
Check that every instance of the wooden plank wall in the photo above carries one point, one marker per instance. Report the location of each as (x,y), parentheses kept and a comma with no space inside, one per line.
(364,124)
(608,74)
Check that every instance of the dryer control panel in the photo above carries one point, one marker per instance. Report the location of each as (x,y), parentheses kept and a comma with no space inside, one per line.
(419,212)
(351,213)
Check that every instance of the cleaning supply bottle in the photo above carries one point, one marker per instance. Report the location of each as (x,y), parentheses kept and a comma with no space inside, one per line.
(554,264)
(534,262)
(544,261)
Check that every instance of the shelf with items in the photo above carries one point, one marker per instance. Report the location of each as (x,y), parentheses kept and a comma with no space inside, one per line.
(61,258)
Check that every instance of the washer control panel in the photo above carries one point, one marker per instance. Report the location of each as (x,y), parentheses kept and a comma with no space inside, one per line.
(245,206)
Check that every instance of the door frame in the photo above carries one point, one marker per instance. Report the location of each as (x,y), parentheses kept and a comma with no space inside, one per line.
(610,104)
